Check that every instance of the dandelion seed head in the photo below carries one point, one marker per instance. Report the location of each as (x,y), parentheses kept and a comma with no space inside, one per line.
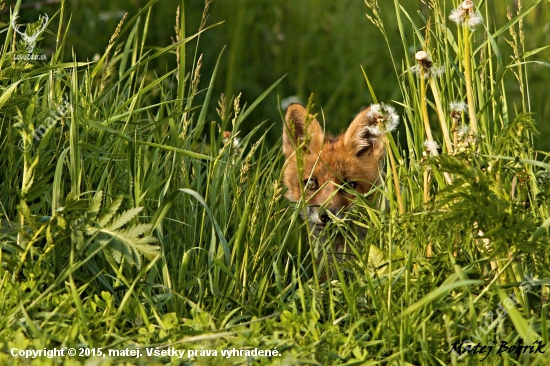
(389,109)
(416,69)
(466,14)
(373,110)
(425,67)
(393,119)
(458,107)
(426,73)
(431,146)
(393,123)
(457,16)
(463,130)
(467,5)
(387,119)
(374,130)
(421,56)
(475,19)
(437,71)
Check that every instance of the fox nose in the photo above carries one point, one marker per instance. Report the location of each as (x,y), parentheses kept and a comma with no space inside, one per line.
(324,217)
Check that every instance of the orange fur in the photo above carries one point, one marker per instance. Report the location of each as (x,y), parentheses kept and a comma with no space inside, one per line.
(355,156)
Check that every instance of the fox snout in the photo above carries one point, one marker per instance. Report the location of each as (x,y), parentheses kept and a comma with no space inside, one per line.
(328,201)
(321,216)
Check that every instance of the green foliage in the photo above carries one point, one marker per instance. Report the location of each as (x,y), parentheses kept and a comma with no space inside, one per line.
(132,217)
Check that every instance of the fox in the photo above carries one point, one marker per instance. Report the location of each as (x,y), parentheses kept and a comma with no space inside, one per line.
(332,170)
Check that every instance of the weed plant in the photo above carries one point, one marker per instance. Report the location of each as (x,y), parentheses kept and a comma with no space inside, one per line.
(134,220)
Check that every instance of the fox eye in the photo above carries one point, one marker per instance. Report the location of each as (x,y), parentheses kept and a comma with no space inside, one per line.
(351,185)
(311,184)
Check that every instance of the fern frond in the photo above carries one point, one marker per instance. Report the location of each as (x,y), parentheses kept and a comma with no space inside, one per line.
(124,218)
(107,216)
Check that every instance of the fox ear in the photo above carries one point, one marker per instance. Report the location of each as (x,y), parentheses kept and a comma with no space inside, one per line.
(299,128)
(363,137)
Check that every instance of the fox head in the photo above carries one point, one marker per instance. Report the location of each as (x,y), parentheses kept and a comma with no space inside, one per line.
(331,168)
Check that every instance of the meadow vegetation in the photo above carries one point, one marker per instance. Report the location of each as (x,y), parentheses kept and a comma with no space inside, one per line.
(131,221)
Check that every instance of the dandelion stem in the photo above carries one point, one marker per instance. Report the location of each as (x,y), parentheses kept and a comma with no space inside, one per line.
(429,135)
(424,106)
(468,76)
(454,128)
(395,177)
(441,115)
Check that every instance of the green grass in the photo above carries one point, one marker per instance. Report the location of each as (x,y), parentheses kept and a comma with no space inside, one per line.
(132,224)
(320,45)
